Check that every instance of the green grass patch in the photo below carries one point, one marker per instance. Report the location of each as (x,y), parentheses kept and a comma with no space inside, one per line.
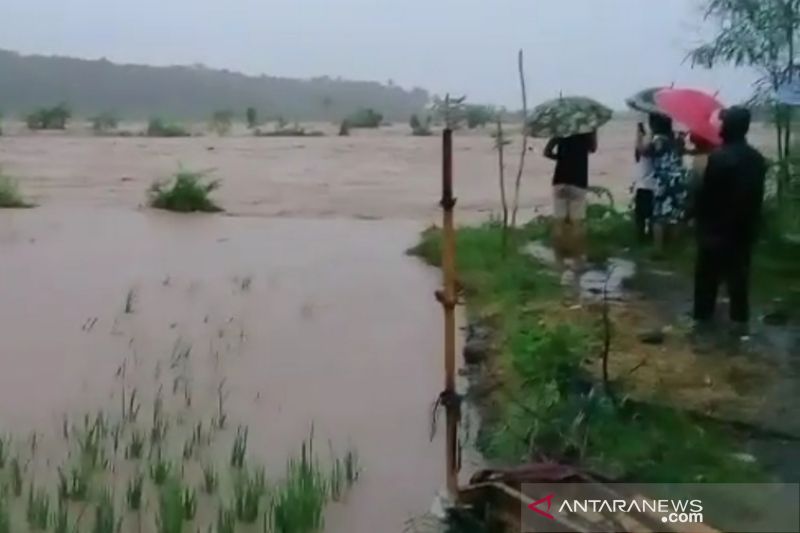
(185,192)
(545,402)
(10,195)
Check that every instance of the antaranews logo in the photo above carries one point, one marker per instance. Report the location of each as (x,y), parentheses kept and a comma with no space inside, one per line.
(670,511)
(549,501)
(620,507)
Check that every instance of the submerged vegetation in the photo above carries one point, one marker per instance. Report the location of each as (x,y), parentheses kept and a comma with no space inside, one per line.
(284,130)
(365,118)
(222,122)
(185,192)
(86,501)
(49,118)
(158,127)
(251,116)
(420,127)
(10,195)
(104,122)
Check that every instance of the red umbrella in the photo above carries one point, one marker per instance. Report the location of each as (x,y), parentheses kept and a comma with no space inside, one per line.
(696,110)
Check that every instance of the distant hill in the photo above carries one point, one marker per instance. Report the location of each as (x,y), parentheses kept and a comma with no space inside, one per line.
(185,92)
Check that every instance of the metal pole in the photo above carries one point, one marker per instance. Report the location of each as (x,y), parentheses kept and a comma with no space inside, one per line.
(448,301)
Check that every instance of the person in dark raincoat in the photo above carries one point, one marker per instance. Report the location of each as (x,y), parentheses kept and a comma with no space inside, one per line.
(728,213)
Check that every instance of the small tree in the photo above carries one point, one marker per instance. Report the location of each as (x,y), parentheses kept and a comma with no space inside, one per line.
(420,128)
(49,118)
(478,116)
(451,111)
(524,149)
(761,34)
(500,143)
(365,118)
(222,122)
(251,116)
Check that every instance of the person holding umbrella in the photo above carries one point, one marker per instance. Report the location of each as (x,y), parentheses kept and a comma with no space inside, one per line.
(699,112)
(665,154)
(570,181)
(570,124)
(728,212)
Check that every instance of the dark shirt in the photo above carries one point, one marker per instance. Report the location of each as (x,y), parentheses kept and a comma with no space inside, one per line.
(729,201)
(571,155)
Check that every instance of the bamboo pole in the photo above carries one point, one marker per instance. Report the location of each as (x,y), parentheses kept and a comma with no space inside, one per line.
(448,301)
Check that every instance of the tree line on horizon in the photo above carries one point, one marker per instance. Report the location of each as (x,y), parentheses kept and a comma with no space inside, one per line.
(91,87)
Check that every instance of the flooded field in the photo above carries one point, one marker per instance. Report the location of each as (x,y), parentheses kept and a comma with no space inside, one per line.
(301,322)
(372,174)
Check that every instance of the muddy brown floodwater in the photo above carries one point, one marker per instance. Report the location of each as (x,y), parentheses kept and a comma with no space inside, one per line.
(322,322)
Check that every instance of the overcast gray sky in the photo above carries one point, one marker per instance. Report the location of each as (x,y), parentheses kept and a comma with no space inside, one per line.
(602,48)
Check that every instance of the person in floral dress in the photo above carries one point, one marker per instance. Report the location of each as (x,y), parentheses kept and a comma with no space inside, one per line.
(665,153)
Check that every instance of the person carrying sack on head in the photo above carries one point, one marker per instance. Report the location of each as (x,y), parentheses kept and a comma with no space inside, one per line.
(570,181)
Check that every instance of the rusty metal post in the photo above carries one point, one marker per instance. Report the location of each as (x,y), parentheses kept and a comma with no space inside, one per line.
(448,297)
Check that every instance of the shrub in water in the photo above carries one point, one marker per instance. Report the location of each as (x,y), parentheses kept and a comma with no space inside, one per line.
(222,122)
(104,122)
(251,116)
(9,193)
(365,118)
(186,192)
(49,118)
(158,127)
(420,128)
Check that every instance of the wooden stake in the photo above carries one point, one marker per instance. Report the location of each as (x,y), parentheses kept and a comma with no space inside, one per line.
(448,300)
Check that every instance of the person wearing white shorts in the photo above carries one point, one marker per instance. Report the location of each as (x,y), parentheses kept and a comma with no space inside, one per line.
(569,203)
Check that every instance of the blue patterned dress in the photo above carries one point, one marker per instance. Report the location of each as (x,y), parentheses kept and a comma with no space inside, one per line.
(669,176)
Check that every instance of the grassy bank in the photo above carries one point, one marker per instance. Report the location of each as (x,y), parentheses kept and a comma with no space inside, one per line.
(541,402)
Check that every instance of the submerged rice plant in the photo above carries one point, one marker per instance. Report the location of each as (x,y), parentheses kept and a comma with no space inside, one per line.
(210,480)
(249,488)
(170,508)
(189,504)
(104,516)
(5,443)
(344,473)
(134,492)
(135,446)
(239,447)
(299,502)
(185,192)
(16,478)
(160,470)
(61,518)
(226,520)
(5,517)
(38,510)
(74,488)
